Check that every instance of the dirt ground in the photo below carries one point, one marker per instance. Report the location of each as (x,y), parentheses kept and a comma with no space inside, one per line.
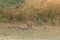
(11,31)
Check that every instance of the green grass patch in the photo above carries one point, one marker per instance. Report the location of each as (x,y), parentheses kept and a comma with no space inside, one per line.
(50,16)
(39,21)
(2,18)
(9,3)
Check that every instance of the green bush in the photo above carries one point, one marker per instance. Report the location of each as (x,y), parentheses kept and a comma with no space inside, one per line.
(2,18)
(9,3)
(20,17)
(50,16)
(39,21)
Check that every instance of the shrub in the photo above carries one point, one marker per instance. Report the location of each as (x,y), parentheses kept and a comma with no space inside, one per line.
(50,16)
(2,18)
(20,17)
(39,21)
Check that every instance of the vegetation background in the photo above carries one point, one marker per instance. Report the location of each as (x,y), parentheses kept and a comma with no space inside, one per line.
(16,15)
(46,11)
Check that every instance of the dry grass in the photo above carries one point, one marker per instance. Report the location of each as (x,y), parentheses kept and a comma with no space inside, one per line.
(32,10)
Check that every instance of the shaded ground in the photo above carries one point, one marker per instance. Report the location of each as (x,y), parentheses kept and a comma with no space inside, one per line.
(40,33)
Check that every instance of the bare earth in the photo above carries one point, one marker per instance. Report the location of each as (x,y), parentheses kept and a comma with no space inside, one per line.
(11,31)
